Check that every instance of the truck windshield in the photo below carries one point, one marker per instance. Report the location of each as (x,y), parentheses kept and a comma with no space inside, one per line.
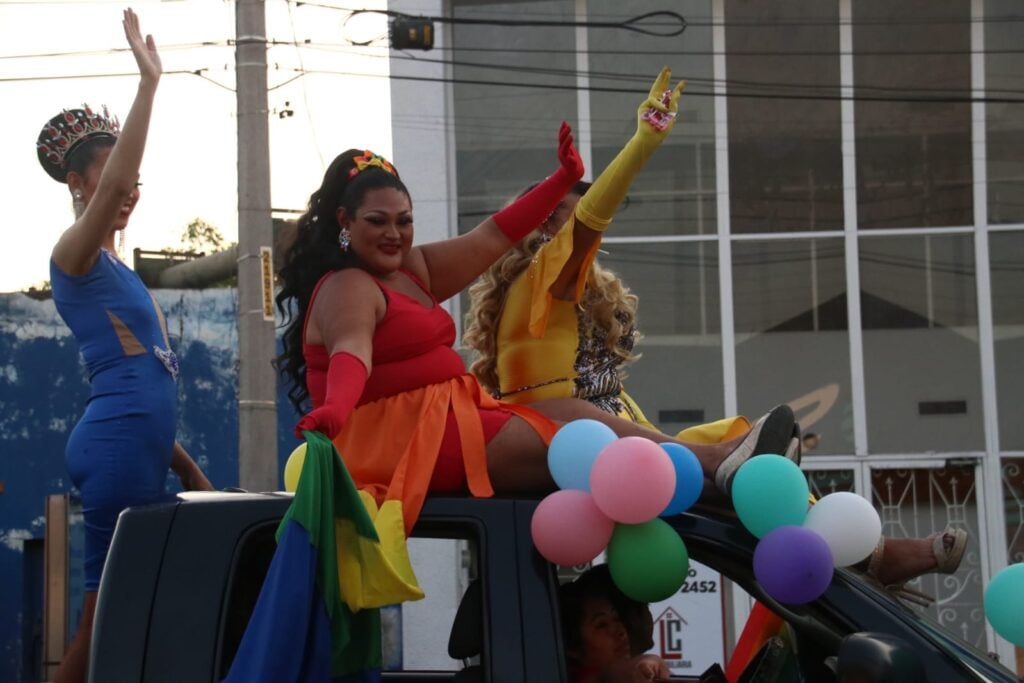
(945,639)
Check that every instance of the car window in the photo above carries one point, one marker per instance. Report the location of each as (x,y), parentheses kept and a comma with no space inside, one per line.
(688,631)
(248,571)
(420,630)
(947,639)
(414,635)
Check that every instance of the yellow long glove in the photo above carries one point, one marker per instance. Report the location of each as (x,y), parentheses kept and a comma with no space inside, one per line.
(597,207)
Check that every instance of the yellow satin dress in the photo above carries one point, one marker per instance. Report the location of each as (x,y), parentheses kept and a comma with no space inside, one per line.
(538,343)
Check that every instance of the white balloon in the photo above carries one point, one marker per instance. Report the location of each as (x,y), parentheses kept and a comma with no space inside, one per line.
(848,523)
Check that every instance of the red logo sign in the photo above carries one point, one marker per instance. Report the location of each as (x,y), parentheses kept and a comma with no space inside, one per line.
(670,628)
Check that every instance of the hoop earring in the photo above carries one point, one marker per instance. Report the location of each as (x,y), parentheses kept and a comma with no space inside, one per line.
(77,203)
(344,239)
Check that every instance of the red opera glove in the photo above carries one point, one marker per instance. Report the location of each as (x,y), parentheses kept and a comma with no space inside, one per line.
(521,217)
(346,378)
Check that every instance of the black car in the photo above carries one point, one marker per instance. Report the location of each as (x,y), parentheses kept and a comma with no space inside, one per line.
(182,578)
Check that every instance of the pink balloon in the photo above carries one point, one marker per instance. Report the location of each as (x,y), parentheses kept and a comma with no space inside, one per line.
(632,480)
(568,528)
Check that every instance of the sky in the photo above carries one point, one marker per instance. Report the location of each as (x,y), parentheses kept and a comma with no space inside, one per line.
(60,54)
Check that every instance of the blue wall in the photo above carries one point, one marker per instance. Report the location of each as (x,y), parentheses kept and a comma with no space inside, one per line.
(43,390)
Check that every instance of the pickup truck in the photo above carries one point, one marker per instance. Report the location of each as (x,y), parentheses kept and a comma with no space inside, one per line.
(182,578)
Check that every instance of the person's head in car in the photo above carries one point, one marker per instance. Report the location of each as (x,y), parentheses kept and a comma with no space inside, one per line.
(606,632)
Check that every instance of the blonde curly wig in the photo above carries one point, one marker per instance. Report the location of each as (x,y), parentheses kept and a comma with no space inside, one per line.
(610,304)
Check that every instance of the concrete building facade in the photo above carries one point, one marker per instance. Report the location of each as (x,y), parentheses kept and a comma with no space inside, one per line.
(834,222)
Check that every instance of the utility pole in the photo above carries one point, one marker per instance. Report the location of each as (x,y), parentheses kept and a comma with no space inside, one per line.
(257,380)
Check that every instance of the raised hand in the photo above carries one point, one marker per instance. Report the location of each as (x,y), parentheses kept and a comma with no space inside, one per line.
(526,213)
(144,49)
(656,115)
(567,153)
(655,119)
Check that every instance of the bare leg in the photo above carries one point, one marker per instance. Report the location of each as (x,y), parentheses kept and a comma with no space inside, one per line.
(905,558)
(568,409)
(75,665)
(517,457)
(517,460)
(897,560)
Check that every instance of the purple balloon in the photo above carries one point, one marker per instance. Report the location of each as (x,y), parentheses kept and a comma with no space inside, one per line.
(793,564)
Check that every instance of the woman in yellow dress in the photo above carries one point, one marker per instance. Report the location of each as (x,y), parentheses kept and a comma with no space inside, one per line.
(547,321)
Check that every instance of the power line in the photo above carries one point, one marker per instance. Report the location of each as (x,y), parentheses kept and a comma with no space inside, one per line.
(690,92)
(631,24)
(229,42)
(115,50)
(950,99)
(700,22)
(134,74)
(731,83)
(729,53)
(89,2)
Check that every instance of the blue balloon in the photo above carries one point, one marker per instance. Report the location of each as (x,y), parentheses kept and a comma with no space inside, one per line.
(573,450)
(689,478)
(1004,603)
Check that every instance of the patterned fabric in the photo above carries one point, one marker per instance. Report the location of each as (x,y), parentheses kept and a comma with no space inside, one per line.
(597,367)
(367,159)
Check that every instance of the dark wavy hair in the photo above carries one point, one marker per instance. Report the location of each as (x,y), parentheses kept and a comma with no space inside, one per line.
(315,252)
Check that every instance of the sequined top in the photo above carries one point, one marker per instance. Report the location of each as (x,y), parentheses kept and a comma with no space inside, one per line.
(598,377)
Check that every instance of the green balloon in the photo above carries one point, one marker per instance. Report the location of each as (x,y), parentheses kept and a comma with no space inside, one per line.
(648,562)
(770,491)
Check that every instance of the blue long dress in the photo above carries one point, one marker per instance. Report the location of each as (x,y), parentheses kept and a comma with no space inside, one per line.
(119,452)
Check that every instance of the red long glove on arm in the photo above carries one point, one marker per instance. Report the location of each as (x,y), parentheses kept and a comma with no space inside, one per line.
(524,215)
(346,378)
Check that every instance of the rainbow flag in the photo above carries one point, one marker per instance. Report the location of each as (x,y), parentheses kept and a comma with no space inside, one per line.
(316,619)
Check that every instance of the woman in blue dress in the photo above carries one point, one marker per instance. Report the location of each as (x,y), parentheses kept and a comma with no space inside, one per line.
(119,452)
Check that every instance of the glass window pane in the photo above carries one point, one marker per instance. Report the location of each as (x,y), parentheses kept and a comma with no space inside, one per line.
(1004,78)
(1013,505)
(921,360)
(785,162)
(675,192)
(914,503)
(1007,258)
(422,628)
(913,156)
(824,482)
(1013,509)
(678,380)
(792,344)
(506,136)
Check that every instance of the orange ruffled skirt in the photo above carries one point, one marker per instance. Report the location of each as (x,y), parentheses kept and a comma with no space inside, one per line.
(391,445)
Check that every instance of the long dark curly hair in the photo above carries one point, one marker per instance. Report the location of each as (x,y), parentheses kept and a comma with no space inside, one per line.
(315,252)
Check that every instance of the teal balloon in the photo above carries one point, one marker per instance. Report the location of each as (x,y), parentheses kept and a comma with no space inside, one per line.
(649,561)
(1004,603)
(770,491)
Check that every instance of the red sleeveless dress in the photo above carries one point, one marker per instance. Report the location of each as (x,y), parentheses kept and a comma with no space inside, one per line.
(422,422)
